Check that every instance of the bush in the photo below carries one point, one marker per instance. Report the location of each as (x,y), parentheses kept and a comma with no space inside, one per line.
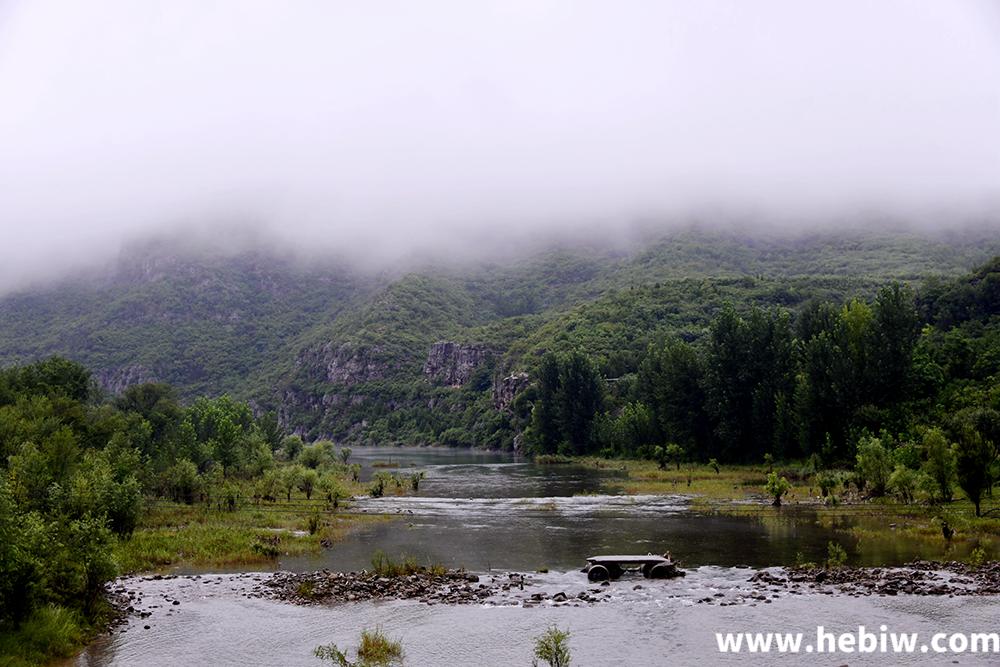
(939,464)
(291,446)
(903,483)
(314,456)
(777,487)
(415,480)
(181,482)
(553,647)
(836,555)
(874,465)
(307,482)
(375,650)
(827,482)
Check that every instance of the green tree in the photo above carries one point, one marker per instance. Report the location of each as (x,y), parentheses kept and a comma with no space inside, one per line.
(671,383)
(307,482)
(975,457)
(777,487)
(939,463)
(874,465)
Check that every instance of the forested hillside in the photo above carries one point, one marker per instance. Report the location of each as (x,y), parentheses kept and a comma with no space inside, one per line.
(445,354)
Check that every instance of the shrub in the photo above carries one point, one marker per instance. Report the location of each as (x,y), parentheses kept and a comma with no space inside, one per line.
(415,480)
(827,482)
(903,483)
(291,446)
(874,465)
(181,481)
(314,456)
(939,464)
(836,555)
(375,650)
(307,482)
(977,557)
(552,646)
(777,487)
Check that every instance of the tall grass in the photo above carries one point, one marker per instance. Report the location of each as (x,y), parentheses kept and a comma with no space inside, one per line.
(181,534)
(375,650)
(50,632)
(384,566)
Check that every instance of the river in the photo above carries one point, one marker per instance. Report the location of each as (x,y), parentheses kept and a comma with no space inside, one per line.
(492,513)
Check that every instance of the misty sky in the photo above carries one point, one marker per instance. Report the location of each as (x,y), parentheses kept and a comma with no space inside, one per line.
(386,126)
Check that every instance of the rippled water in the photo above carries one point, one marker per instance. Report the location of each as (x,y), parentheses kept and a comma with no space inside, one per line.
(493,513)
(660,624)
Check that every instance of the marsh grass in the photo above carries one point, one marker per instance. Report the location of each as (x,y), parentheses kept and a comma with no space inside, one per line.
(384,566)
(50,632)
(701,481)
(192,535)
(374,650)
(553,459)
(877,525)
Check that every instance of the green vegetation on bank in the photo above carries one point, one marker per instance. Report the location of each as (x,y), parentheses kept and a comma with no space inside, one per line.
(93,487)
(938,527)
(897,397)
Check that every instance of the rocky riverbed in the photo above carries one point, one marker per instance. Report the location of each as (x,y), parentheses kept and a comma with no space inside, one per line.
(916,578)
(431,587)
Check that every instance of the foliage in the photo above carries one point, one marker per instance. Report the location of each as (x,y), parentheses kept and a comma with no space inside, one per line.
(552,647)
(375,650)
(874,465)
(904,483)
(975,457)
(836,555)
(570,395)
(776,487)
(939,464)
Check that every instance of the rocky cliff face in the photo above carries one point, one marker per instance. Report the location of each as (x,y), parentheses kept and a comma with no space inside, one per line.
(345,364)
(506,388)
(452,364)
(117,380)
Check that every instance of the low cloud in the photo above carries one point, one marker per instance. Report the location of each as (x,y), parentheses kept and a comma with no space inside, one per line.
(388,128)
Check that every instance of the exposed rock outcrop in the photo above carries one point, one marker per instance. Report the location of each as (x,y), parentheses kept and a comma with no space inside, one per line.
(505,389)
(345,364)
(452,364)
(117,380)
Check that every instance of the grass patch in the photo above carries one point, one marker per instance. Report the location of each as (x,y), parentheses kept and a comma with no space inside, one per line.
(384,566)
(375,650)
(879,525)
(554,459)
(197,536)
(50,632)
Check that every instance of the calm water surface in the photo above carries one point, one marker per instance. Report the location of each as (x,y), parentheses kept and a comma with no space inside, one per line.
(493,513)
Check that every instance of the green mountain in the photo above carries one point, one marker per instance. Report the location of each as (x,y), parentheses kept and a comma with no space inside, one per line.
(437,354)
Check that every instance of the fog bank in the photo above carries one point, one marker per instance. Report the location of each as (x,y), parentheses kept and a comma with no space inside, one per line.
(387,128)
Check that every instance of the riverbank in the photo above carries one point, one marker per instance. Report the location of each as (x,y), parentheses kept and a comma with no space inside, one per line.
(739,490)
(176,536)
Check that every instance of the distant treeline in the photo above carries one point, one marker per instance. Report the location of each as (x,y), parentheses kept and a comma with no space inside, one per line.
(770,383)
